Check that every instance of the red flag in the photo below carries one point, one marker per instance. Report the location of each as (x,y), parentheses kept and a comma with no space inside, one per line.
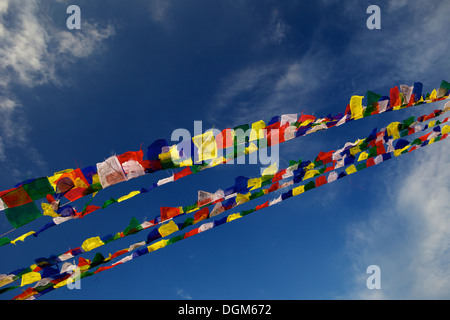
(305,117)
(264,205)
(169,212)
(191,233)
(326,157)
(224,139)
(273,187)
(131,155)
(201,215)
(395,96)
(370,162)
(321,181)
(183,173)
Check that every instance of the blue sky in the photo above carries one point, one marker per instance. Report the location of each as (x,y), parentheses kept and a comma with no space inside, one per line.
(138,70)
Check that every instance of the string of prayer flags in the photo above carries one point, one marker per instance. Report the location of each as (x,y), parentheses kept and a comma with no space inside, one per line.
(141,248)
(401,146)
(76,183)
(374,144)
(72,184)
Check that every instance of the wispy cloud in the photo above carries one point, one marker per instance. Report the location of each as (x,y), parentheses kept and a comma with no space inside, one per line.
(23,52)
(33,47)
(408,236)
(32,52)
(411,48)
(83,44)
(268,89)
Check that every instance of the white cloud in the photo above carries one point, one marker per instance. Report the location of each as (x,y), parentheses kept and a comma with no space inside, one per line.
(408,236)
(411,48)
(6,104)
(81,45)
(33,47)
(8,125)
(23,49)
(32,52)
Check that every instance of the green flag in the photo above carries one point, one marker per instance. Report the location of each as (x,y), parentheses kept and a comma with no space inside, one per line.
(21,215)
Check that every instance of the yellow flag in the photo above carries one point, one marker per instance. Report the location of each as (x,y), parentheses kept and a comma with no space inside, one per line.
(363,156)
(256,132)
(168,228)
(206,144)
(164,156)
(22,237)
(92,243)
(48,210)
(310,173)
(356,107)
(310,166)
(445,129)
(298,190)
(254,183)
(433,95)
(186,163)
(271,170)
(30,277)
(242,198)
(354,150)
(399,151)
(351,169)
(174,154)
(233,216)
(251,148)
(4,280)
(128,196)
(80,183)
(158,245)
(306,122)
(95,178)
(392,130)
